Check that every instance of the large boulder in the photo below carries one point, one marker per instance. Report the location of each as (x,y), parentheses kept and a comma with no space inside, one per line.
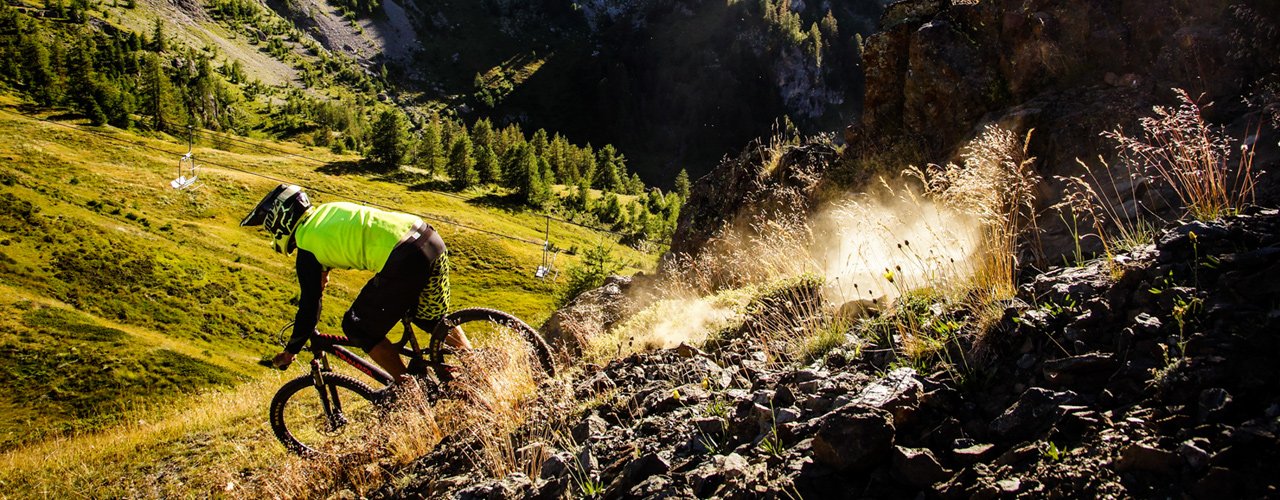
(569,329)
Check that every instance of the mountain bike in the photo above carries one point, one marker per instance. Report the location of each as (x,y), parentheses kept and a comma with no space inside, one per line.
(324,411)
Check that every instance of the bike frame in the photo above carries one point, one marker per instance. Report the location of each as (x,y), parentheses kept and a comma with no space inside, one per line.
(322,345)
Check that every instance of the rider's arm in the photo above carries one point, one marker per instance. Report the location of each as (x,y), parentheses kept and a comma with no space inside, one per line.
(311,278)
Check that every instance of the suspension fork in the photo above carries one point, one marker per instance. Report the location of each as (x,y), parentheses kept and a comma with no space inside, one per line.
(329,401)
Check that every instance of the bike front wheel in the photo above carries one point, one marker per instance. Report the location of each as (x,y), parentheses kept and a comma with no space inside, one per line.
(331,419)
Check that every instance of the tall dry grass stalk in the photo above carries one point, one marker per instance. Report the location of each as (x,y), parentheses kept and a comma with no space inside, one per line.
(785,136)
(794,323)
(1115,206)
(1192,158)
(744,254)
(995,184)
(883,244)
(496,387)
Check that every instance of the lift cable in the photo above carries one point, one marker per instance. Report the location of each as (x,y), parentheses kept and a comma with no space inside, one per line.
(284,181)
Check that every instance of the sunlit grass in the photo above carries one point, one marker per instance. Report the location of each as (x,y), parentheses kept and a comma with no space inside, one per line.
(115,198)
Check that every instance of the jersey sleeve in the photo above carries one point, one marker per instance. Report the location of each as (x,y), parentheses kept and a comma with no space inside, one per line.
(310,274)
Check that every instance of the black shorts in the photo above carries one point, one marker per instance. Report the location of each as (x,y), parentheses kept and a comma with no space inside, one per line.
(415,278)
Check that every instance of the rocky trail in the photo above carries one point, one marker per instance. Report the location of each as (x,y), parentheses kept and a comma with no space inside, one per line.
(1150,375)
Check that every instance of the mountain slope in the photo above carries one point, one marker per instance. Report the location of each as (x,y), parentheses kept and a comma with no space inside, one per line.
(120,297)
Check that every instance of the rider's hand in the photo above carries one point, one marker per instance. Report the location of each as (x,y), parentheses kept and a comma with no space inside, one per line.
(282,360)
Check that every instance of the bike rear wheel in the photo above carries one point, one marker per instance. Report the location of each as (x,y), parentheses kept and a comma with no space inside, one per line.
(332,420)
(493,330)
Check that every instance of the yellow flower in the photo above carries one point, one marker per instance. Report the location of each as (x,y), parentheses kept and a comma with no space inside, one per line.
(888,275)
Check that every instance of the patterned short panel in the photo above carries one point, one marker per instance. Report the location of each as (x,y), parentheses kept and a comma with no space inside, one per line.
(433,303)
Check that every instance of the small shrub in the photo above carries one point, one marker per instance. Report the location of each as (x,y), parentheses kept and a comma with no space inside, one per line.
(597,264)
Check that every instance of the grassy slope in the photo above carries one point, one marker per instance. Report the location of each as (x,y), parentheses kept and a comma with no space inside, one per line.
(119,298)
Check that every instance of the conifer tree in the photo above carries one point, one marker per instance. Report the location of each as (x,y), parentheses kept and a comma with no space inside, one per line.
(815,44)
(462,163)
(80,76)
(655,202)
(482,135)
(582,199)
(609,210)
(235,73)
(158,42)
(487,166)
(41,80)
(642,224)
(830,28)
(545,171)
(117,103)
(635,185)
(430,154)
(558,157)
(607,177)
(586,160)
(157,102)
(512,173)
(526,178)
(682,184)
(539,143)
(389,139)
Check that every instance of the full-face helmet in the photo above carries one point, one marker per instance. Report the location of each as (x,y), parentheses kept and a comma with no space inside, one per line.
(280,212)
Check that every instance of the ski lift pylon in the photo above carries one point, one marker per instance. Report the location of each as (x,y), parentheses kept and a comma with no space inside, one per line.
(547,270)
(188,171)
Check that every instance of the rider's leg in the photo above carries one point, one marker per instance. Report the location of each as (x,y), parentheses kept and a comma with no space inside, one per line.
(386,355)
(382,303)
(457,339)
(433,303)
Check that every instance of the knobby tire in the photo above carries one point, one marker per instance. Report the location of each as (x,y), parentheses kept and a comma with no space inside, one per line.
(280,404)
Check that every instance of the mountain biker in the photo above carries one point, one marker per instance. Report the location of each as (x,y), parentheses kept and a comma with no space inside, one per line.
(408,256)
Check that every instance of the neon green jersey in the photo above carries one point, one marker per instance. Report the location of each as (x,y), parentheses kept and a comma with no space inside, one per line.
(350,236)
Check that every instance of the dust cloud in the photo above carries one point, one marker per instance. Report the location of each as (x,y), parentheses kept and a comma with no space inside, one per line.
(883,244)
(688,319)
(869,246)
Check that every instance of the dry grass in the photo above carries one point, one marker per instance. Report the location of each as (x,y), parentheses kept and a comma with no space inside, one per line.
(744,255)
(995,184)
(497,388)
(679,316)
(785,136)
(490,401)
(1193,159)
(794,323)
(201,452)
(1115,207)
(861,251)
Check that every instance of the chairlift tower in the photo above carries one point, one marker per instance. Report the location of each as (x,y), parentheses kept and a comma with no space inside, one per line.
(188,171)
(547,269)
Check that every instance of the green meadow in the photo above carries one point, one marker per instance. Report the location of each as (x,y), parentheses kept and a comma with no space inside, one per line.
(128,307)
